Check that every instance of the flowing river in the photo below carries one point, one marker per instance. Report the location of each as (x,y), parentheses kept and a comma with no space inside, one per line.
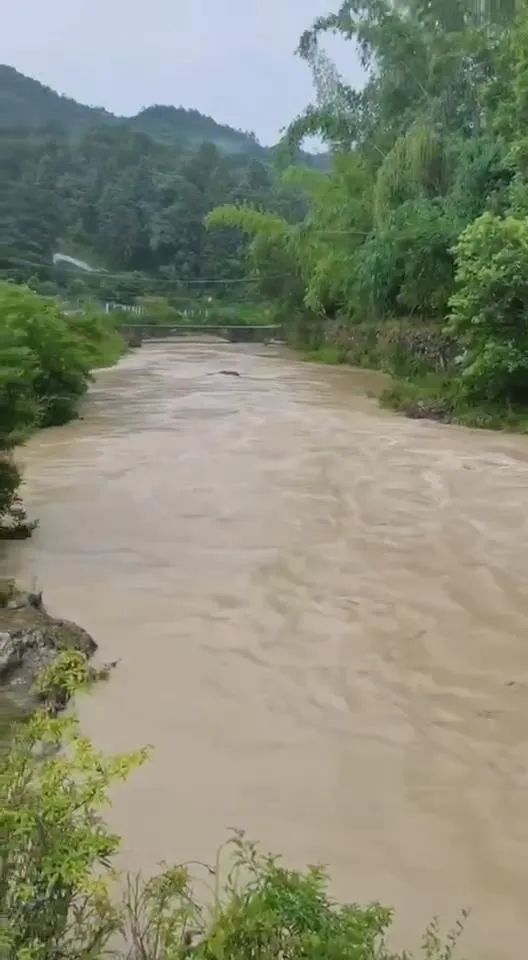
(321,612)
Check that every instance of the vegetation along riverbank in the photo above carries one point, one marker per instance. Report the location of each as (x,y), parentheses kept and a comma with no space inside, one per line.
(418,232)
(46,361)
(59,884)
(411,226)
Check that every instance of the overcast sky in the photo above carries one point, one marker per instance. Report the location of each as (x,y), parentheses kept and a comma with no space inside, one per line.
(232,59)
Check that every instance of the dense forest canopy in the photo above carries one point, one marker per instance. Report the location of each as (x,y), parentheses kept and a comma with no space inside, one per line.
(129,196)
(123,201)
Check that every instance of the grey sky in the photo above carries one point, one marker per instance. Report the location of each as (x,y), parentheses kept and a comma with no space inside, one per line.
(232,59)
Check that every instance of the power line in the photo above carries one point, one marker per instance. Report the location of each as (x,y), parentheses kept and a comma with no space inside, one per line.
(278,276)
(181,282)
(101,274)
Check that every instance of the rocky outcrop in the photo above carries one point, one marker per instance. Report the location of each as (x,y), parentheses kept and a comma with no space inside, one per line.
(30,639)
(435,408)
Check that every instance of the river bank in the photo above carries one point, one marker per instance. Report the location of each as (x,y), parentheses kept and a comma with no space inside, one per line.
(30,642)
(422,362)
(47,359)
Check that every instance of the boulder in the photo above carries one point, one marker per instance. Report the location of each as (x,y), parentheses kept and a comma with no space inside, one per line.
(30,639)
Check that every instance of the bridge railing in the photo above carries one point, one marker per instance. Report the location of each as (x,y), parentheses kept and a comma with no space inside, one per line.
(135,332)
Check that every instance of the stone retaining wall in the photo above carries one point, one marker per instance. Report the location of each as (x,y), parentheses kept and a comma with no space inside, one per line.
(406,341)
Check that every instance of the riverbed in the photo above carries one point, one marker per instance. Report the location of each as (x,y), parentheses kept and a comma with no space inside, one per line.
(321,615)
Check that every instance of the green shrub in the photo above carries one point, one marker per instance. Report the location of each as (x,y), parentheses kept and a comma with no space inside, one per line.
(406,266)
(277,912)
(489,310)
(54,899)
(59,373)
(58,882)
(46,358)
(430,397)
(102,344)
(158,310)
(329,353)
(68,672)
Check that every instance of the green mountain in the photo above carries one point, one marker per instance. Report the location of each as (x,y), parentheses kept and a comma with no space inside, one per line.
(26,103)
(129,195)
(170,124)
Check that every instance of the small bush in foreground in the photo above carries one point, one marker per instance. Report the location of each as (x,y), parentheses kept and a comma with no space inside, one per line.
(55,850)
(68,672)
(59,888)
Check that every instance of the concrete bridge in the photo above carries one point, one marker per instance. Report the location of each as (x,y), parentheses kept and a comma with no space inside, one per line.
(136,333)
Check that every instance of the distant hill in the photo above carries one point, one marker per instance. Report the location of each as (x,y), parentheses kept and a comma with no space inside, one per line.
(169,124)
(26,103)
(129,194)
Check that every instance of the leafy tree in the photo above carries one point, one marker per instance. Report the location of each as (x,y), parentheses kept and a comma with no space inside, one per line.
(490,309)
(59,371)
(423,208)
(273,253)
(46,359)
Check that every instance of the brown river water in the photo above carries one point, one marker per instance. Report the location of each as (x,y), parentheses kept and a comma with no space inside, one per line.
(321,611)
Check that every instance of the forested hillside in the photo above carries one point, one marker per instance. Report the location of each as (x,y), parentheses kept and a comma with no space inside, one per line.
(127,204)
(26,103)
(414,252)
(128,196)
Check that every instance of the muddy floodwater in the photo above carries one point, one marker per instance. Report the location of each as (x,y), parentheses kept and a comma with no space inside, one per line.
(321,612)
